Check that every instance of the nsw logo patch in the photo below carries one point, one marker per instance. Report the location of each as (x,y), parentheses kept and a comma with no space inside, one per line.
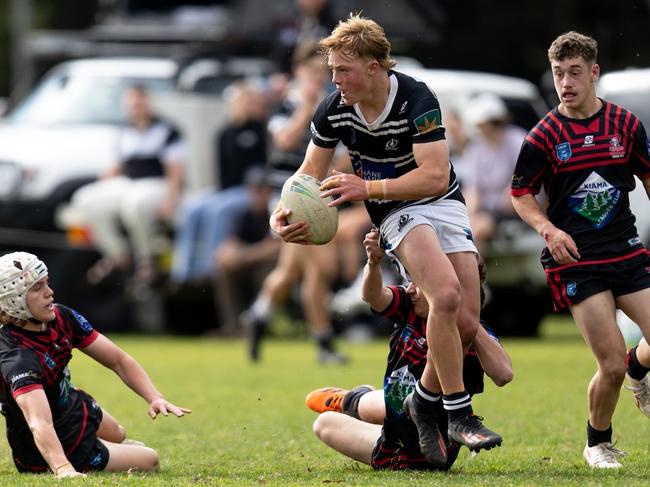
(563,151)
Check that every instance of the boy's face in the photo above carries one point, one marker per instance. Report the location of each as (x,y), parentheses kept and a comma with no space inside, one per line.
(350,75)
(575,81)
(40,301)
(420,304)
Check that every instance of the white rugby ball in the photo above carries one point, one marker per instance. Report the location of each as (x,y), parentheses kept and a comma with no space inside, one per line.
(301,194)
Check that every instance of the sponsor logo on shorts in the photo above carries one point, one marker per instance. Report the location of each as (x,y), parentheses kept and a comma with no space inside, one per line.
(563,151)
(404,220)
(427,122)
(571,289)
(468,234)
(97,459)
(634,241)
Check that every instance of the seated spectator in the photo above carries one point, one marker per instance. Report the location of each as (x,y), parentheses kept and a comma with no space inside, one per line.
(206,220)
(489,162)
(245,258)
(140,190)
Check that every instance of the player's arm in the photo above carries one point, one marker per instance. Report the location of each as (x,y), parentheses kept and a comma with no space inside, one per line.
(562,247)
(493,357)
(132,374)
(316,163)
(38,415)
(373,290)
(646,186)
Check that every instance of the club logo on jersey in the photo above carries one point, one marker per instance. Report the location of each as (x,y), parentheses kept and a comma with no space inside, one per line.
(615,148)
(404,220)
(397,386)
(402,109)
(427,122)
(595,200)
(83,322)
(571,289)
(563,151)
(391,144)
(589,141)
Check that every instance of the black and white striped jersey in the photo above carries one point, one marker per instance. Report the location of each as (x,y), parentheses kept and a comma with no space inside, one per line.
(384,148)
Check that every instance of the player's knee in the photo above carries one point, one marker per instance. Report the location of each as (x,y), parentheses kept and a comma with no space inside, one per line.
(613,371)
(447,299)
(150,460)
(322,425)
(121,433)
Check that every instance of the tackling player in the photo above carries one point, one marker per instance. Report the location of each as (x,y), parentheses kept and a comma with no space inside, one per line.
(51,425)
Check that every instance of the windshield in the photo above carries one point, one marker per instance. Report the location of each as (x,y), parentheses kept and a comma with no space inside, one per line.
(64,99)
(636,102)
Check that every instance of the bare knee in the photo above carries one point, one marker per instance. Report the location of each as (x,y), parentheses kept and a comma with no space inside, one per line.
(150,460)
(446,300)
(323,425)
(613,371)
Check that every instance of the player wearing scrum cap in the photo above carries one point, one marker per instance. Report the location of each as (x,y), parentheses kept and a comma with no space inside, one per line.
(51,425)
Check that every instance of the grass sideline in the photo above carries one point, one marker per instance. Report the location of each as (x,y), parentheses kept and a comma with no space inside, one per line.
(250,425)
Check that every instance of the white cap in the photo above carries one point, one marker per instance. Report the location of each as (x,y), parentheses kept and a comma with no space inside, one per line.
(484,108)
(19,271)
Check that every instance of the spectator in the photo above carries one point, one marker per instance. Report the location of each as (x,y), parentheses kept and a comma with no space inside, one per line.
(140,190)
(245,258)
(206,220)
(489,163)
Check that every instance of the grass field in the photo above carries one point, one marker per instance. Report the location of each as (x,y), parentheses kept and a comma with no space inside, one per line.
(250,425)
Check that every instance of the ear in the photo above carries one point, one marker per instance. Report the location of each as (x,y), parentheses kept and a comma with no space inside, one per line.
(373,67)
(595,72)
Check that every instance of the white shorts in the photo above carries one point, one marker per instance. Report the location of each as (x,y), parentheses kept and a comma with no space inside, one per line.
(448,218)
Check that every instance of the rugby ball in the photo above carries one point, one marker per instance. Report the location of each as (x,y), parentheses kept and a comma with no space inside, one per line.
(301,194)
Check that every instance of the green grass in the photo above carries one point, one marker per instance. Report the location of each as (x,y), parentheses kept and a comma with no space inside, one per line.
(250,425)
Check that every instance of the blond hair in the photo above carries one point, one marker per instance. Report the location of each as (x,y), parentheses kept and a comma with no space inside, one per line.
(572,45)
(359,37)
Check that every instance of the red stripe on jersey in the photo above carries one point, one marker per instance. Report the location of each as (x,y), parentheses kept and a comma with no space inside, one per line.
(575,167)
(23,390)
(522,191)
(600,261)
(89,339)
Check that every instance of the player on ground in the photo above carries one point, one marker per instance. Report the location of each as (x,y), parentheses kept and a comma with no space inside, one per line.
(51,425)
(391,125)
(358,432)
(585,153)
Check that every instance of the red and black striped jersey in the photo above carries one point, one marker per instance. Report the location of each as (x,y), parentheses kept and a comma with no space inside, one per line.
(406,360)
(587,168)
(39,360)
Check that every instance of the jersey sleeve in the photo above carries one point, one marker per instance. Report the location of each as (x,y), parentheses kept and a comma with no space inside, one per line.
(399,307)
(641,152)
(175,150)
(425,117)
(83,333)
(21,369)
(323,134)
(529,170)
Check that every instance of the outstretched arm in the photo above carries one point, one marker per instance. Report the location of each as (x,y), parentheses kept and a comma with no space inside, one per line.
(132,374)
(38,415)
(493,357)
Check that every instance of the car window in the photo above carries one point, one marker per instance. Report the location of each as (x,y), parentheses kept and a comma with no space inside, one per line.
(63,99)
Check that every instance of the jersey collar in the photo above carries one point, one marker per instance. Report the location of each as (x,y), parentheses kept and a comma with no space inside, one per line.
(392,93)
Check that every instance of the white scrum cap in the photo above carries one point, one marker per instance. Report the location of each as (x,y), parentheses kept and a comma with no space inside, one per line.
(19,271)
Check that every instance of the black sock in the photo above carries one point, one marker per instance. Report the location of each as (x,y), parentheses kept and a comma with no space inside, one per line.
(594,436)
(424,397)
(351,400)
(634,368)
(458,404)
(325,342)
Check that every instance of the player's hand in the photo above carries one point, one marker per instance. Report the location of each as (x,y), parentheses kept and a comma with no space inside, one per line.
(297,232)
(162,406)
(67,471)
(562,247)
(373,251)
(343,187)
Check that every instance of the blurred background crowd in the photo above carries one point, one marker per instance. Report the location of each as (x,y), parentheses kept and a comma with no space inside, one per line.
(143,143)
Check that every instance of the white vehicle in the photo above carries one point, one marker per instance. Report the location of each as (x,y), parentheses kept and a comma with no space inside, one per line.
(630,88)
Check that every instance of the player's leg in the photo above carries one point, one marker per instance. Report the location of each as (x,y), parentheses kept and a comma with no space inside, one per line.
(318,266)
(466,268)
(109,429)
(347,435)
(635,305)
(363,402)
(130,457)
(596,319)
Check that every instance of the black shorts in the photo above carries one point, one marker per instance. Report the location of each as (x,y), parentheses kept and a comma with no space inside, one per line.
(622,275)
(77,431)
